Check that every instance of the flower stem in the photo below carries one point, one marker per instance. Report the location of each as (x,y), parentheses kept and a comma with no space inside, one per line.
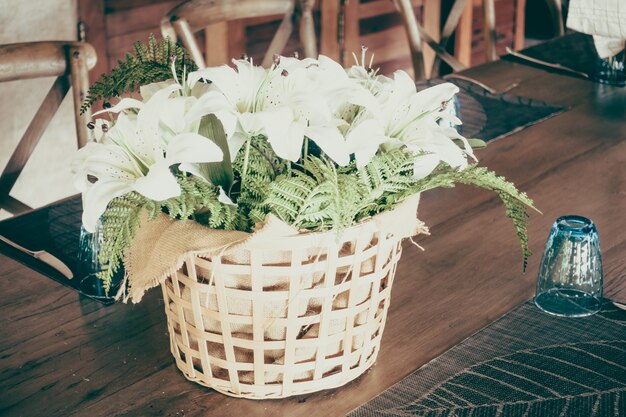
(246,160)
(305,154)
(306,149)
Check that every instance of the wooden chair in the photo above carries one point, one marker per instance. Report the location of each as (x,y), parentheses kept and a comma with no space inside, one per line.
(555,8)
(193,15)
(70,63)
(416,33)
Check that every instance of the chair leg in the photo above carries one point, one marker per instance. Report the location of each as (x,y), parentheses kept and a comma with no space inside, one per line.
(280,39)
(452,22)
(79,79)
(167,30)
(189,41)
(307,28)
(350,40)
(330,42)
(442,53)
(413,34)
(490,30)
(554,7)
(216,35)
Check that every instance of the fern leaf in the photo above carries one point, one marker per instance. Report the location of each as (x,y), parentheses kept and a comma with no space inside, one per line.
(149,65)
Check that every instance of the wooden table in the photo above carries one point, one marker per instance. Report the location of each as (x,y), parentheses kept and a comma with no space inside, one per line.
(61,355)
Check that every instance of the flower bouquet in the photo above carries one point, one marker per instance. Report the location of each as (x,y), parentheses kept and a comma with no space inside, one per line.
(270,205)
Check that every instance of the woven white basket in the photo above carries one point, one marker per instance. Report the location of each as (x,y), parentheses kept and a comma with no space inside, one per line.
(304,315)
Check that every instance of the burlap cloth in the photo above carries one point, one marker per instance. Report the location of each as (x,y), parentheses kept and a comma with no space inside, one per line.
(161,245)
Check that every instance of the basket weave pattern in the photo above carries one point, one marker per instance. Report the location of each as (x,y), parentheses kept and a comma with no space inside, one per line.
(303,315)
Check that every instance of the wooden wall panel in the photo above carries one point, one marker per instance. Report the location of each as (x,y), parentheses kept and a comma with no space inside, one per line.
(126,25)
(131,20)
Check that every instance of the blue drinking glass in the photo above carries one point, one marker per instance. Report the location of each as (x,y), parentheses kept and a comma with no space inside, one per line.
(89,265)
(453,106)
(570,276)
(611,70)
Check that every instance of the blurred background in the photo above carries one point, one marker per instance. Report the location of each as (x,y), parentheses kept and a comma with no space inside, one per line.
(112,26)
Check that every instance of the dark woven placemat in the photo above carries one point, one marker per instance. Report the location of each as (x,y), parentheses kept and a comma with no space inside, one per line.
(526,364)
(489,116)
(54,228)
(575,51)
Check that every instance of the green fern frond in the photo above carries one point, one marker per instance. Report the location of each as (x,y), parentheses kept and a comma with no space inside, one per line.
(198,201)
(318,197)
(263,166)
(515,202)
(387,175)
(151,63)
(119,224)
(321,197)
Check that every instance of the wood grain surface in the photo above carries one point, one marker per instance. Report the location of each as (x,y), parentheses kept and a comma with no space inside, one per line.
(61,355)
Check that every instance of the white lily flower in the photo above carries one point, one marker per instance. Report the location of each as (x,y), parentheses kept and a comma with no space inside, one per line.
(292,100)
(406,118)
(224,198)
(136,155)
(232,98)
(364,138)
(170,108)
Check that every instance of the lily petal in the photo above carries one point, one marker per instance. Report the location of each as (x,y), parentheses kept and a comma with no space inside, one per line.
(251,123)
(331,141)
(210,102)
(97,198)
(454,134)
(192,148)
(225,199)
(431,99)
(143,147)
(148,118)
(224,78)
(285,135)
(424,165)
(160,184)
(364,140)
(124,104)
(235,143)
(173,114)
(148,90)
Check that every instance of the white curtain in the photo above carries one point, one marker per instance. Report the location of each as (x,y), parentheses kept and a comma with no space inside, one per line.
(605,19)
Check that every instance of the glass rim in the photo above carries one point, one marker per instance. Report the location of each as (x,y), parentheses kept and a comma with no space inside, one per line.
(575,223)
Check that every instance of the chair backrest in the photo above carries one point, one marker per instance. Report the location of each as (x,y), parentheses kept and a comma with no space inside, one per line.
(416,34)
(193,15)
(70,63)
